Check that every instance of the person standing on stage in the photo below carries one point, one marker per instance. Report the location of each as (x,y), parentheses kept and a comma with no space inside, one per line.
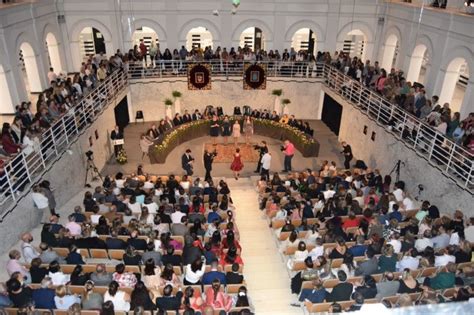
(236,132)
(266,163)
(347,151)
(117,138)
(237,164)
(226,129)
(289,151)
(262,148)
(214,132)
(248,129)
(187,162)
(145,144)
(208,159)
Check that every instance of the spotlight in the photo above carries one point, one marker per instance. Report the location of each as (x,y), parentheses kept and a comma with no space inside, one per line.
(469,3)
(215,12)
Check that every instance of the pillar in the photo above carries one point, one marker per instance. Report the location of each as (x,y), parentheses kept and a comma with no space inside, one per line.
(388,54)
(54,56)
(448,86)
(6,105)
(414,68)
(32,72)
(467,105)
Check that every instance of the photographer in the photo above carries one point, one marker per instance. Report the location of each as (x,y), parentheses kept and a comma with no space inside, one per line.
(187,162)
(208,159)
(288,149)
(263,148)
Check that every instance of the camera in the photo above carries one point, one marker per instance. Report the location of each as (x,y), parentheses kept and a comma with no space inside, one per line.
(214,153)
(90,155)
(282,148)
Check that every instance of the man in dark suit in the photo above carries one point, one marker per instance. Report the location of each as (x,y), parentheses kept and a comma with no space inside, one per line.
(347,151)
(171,258)
(342,291)
(197,115)
(368,267)
(262,149)
(187,162)
(137,243)
(190,252)
(115,135)
(154,132)
(168,302)
(208,159)
(234,277)
(87,241)
(113,242)
(210,276)
(187,117)
(177,120)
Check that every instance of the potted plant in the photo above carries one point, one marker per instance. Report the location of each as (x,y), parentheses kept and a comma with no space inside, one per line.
(121,157)
(168,103)
(284,103)
(277,93)
(177,102)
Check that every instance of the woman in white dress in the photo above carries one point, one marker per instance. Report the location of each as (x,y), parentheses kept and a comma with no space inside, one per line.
(120,299)
(145,144)
(236,132)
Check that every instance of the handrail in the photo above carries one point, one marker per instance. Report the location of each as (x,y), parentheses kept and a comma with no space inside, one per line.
(23,170)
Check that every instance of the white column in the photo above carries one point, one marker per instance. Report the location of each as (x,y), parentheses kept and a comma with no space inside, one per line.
(448,86)
(109,47)
(321,104)
(468,100)
(388,54)
(368,53)
(6,105)
(131,114)
(414,68)
(75,49)
(32,72)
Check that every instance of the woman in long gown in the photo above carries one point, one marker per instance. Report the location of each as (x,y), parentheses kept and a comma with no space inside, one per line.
(248,129)
(236,132)
(214,132)
(237,164)
(226,129)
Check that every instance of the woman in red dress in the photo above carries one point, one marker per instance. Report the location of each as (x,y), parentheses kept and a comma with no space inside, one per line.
(237,164)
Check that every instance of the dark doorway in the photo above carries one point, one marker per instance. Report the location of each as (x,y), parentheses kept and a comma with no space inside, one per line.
(121,113)
(99,41)
(258,39)
(332,113)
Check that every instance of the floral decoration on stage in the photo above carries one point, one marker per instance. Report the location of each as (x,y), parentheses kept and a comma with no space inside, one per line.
(255,76)
(199,76)
(121,157)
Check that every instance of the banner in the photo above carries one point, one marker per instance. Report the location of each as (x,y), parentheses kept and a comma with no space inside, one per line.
(199,77)
(255,76)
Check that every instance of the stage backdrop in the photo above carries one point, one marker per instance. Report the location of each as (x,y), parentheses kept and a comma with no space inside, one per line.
(147,94)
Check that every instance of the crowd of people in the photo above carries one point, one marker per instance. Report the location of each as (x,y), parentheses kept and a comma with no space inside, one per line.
(179,235)
(366,236)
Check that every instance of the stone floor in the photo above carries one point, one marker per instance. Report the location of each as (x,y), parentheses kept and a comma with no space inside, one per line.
(329,150)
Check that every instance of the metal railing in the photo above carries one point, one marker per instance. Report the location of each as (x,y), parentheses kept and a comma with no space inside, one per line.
(24,170)
(220,68)
(440,151)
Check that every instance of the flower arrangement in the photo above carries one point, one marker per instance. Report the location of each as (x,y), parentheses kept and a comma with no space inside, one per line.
(168,102)
(122,157)
(277,92)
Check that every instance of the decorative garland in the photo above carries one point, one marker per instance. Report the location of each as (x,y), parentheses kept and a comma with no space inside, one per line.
(255,77)
(199,76)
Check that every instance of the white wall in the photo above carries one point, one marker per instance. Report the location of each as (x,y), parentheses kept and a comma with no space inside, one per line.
(148,95)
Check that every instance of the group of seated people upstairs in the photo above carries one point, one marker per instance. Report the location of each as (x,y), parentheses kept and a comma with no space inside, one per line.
(170,244)
(350,236)
(411,96)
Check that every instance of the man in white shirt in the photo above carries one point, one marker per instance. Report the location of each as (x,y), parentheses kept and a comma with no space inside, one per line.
(441,240)
(444,259)
(398,193)
(424,242)
(395,242)
(410,261)
(52,76)
(469,231)
(28,251)
(41,202)
(318,250)
(266,162)
(329,193)
(176,216)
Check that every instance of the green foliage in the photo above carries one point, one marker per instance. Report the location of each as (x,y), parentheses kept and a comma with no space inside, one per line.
(168,102)
(176,94)
(285,101)
(277,92)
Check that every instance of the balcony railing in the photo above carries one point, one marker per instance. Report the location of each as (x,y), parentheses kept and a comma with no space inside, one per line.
(24,170)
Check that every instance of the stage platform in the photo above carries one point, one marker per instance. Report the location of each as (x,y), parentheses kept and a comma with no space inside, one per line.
(330,150)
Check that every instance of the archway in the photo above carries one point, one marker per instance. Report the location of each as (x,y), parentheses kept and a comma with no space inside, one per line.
(148,35)
(419,63)
(355,43)
(91,41)
(253,38)
(304,39)
(53,52)
(455,83)
(28,64)
(199,37)
(390,52)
